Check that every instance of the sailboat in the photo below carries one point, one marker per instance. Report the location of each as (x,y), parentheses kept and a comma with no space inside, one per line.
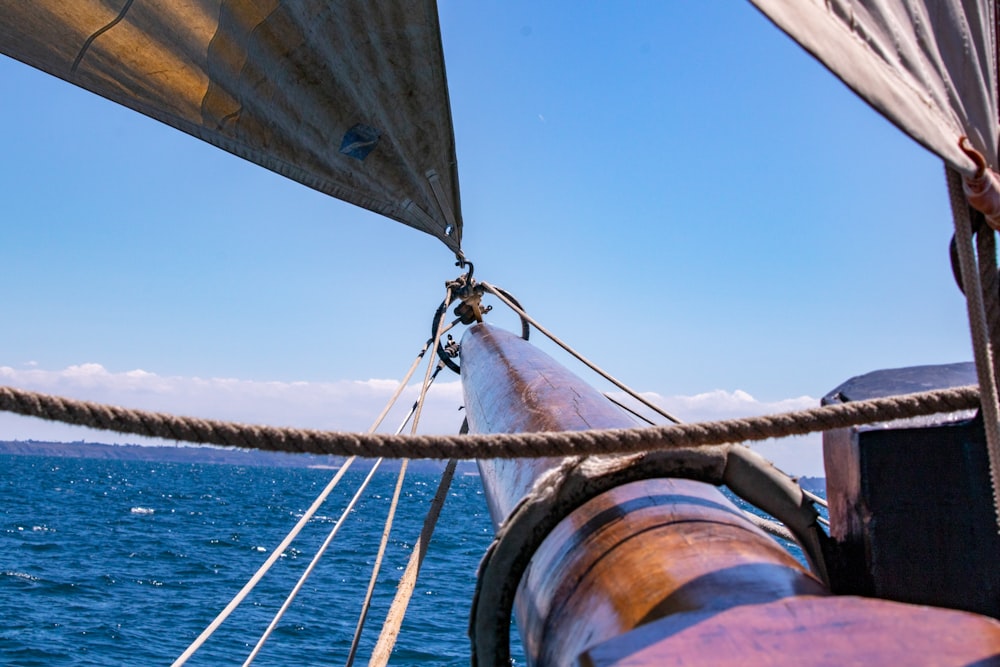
(221,54)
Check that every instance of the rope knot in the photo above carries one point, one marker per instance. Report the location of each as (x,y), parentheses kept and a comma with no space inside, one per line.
(470,293)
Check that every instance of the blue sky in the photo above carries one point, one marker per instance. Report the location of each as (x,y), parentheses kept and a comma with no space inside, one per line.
(674,188)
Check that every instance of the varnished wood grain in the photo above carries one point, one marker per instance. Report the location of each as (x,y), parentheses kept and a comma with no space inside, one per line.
(643,551)
(805,630)
(668,572)
(629,556)
(511,387)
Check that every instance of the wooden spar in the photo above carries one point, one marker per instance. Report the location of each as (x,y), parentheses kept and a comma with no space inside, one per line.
(610,583)
(669,568)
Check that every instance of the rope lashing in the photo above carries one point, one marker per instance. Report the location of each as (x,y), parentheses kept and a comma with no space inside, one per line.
(470,310)
(497,445)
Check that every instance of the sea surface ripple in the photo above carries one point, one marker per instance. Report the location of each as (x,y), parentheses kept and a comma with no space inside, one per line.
(107,562)
(115,562)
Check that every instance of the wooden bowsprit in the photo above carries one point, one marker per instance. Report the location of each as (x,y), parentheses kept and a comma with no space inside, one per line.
(668,571)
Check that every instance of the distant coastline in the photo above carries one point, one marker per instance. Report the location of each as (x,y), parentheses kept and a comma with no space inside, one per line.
(241,457)
(200,454)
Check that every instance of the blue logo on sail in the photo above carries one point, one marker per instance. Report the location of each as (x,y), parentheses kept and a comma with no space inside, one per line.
(359,141)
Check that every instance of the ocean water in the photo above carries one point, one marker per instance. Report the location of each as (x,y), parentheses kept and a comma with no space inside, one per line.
(109,562)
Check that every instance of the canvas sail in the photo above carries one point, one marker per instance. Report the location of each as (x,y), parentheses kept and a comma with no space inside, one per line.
(929,66)
(348,97)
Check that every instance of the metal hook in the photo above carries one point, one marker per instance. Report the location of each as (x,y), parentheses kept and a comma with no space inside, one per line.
(462,263)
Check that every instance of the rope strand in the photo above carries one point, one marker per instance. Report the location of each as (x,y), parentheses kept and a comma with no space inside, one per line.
(262,570)
(312,566)
(505,445)
(294,532)
(404,591)
(979,329)
(384,542)
(387,529)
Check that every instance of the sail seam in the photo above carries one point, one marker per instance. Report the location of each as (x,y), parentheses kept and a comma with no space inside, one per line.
(90,40)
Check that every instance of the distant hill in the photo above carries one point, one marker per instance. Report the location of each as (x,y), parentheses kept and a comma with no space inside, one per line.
(242,457)
(196,454)
(814,484)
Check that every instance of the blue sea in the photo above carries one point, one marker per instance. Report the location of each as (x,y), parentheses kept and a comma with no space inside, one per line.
(108,562)
(111,562)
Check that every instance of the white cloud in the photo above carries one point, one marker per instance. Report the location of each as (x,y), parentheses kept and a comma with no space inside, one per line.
(800,455)
(346,405)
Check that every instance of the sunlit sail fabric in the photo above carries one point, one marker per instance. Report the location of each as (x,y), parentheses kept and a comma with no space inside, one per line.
(345,96)
(929,66)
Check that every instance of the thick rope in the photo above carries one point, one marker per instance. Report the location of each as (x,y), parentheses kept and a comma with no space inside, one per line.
(989,279)
(816,499)
(497,445)
(979,330)
(404,591)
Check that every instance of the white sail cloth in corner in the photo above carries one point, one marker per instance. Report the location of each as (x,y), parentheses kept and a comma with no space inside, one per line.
(929,66)
(348,97)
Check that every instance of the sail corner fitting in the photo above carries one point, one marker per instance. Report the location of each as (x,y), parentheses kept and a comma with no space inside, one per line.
(982,189)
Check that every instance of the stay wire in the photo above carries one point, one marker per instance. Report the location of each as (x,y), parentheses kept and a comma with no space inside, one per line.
(262,570)
(200,640)
(415,414)
(406,379)
(440,331)
(407,583)
(312,565)
(620,385)
(366,605)
(404,590)
(510,304)
(347,510)
(629,410)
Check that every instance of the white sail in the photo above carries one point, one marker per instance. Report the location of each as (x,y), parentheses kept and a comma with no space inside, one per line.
(348,97)
(929,66)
